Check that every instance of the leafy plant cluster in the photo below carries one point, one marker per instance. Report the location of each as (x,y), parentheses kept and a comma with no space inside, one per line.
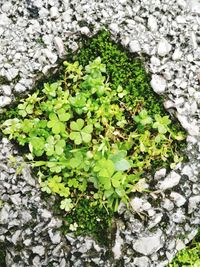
(87,140)
(94,133)
(190,256)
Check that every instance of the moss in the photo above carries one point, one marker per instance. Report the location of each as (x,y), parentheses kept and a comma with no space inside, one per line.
(2,256)
(91,220)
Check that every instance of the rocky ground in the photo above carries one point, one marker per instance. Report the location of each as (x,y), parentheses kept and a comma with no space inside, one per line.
(34,35)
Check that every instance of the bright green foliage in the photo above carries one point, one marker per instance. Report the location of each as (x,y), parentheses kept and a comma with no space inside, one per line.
(88,145)
(188,257)
(92,136)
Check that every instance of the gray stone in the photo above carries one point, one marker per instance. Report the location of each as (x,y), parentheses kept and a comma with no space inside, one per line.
(136,204)
(193,202)
(178,199)
(160,174)
(178,216)
(134,46)
(152,23)
(150,244)
(142,262)
(55,237)
(16,199)
(4,101)
(158,84)
(170,181)
(194,5)
(6,90)
(114,27)
(59,46)
(40,250)
(4,214)
(16,236)
(19,88)
(167,204)
(177,54)
(4,20)
(52,57)
(85,30)
(6,6)
(187,170)
(163,48)
(54,13)
(117,248)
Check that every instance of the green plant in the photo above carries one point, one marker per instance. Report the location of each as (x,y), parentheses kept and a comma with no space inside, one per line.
(188,257)
(93,133)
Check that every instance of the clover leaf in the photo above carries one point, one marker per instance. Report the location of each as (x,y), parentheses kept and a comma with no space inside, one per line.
(66,204)
(143,118)
(37,145)
(63,115)
(25,109)
(56,125)
(161,123)
(54,145)
(79,133)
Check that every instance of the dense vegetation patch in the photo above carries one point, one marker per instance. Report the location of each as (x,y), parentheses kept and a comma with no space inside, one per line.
(95,133)
(190,256)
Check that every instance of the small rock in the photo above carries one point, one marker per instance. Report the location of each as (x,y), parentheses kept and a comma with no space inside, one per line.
(54,13)
(150,244)
(177,54)
(170,181)
(193,202)
(85,30)
(4,214)
(155,61)
(6,90)
(27,242)
(114,27)
(178,216)
(194,5)
(117,248)
(46,214)
(52,57)
(178,199)
(16,199)
(158,84)
(6,6)
(163,48)
(136,204)
(142,262)
(40,250)
(4,20)
(11,73)
(36,261)
(187,170)
(134,46)
(179,244)
(4,101)
(19,88)
(15,237)
(152,23)
(160,174)
(55,237)
(59,46)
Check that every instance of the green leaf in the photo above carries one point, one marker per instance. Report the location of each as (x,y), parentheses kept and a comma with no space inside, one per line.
(63,115)
(122,165)
(66,204)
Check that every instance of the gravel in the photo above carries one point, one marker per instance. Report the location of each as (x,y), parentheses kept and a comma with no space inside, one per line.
(34,37)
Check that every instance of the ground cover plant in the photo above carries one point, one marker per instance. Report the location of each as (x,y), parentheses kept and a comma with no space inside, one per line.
(94,134)
(189,256)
